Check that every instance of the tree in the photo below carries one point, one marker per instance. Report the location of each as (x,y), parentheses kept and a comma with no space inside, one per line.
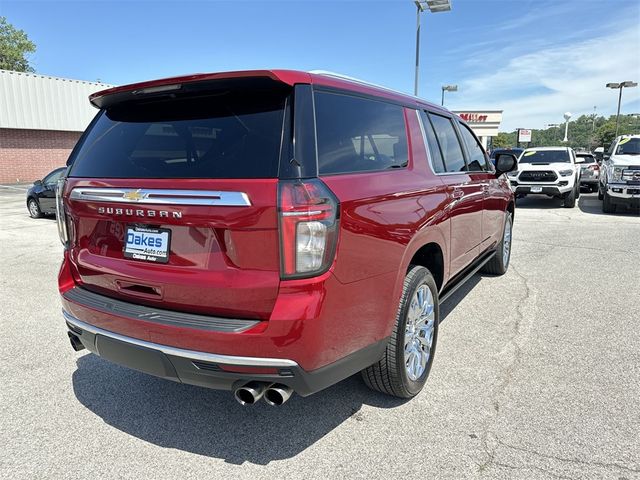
(503,140)
(15,46)
(585,132)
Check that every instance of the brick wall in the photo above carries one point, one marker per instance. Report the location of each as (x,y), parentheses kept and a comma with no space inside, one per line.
(28,155)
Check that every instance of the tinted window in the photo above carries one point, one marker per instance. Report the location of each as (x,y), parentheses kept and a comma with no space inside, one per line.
(545,156)
(587,158)
(53,176)
(451,149)
(432,142)
(228,135)
(476,161)
(357,134)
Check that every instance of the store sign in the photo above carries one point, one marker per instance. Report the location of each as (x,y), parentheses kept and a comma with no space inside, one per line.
(473,117)
(524,135)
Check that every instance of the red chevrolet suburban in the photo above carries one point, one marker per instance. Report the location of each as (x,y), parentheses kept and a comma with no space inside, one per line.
(271,232)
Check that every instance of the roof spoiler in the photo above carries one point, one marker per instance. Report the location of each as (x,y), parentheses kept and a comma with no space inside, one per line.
(196,83)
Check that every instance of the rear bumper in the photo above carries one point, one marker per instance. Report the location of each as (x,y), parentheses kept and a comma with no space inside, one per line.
(223,372)
(589,181)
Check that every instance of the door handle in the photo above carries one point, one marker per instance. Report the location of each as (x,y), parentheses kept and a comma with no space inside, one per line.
(458,193)
(485,190)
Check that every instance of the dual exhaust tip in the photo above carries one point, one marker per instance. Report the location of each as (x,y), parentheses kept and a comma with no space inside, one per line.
(274,394)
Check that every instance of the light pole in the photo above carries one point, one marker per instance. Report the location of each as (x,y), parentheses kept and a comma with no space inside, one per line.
(553,125)
(620,86)
(448,88)
(567,116)
(434,6)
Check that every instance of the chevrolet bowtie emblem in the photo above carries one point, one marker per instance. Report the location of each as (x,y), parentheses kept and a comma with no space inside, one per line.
(133,195)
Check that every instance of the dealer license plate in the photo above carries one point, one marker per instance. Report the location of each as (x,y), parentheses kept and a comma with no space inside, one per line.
(536,189)
(148,244)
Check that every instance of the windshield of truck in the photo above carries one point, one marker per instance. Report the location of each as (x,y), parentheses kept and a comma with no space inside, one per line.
(545,156)
(628,146)
(224,135)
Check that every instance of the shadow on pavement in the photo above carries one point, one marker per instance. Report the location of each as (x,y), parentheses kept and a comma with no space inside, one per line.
(590,204)
(539,201)
(210,422)
(452,302)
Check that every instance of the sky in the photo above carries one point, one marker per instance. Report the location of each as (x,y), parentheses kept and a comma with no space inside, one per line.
(533,59)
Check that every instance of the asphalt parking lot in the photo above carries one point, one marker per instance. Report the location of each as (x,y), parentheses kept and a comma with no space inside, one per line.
(537,375)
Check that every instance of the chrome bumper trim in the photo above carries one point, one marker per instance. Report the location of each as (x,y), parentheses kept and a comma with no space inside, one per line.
(179,352)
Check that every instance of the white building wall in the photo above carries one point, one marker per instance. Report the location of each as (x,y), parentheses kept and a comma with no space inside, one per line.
(38,102)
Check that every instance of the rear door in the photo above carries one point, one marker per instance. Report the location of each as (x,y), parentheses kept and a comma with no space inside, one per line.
(173,201)
(482,173)
(465,192)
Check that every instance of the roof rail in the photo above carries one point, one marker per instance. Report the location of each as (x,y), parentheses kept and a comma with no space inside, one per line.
(326,73)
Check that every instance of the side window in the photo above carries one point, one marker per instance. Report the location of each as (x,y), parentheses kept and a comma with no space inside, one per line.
(477,161)
(432,143)
(358,135)
(449,143)
(53,177)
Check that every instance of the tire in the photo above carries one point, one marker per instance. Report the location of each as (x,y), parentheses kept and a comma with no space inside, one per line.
(395,374)
(607,206)
(34,208)
(570,199)
(499,264)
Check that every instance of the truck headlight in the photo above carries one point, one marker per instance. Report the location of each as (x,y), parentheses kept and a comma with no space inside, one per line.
(616,174)
(565,173)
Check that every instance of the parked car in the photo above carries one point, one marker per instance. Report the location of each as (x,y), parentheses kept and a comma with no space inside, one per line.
(41,197)
(500,151)
(589,170)
(267,232)
(598,152)
(620,174)
(550,171)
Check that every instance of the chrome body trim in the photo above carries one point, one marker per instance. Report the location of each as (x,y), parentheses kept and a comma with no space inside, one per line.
(180,352)
(161,196)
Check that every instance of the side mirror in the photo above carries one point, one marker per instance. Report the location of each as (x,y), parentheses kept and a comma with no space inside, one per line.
(606,156)
(38,183)
(505,162)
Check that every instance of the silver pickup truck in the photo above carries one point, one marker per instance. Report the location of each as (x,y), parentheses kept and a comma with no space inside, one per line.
(620,174)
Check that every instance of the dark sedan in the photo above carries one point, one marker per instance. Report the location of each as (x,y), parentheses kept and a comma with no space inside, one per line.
(515,151)
(41,197)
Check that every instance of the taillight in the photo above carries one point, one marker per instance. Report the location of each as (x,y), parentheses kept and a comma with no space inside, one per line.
(309,214)
(61,217)
(595,167)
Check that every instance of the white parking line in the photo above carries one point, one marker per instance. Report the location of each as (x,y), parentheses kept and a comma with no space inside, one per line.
(14,188)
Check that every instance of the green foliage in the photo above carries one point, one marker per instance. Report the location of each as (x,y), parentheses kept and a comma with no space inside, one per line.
(585,132)
(503,140)
(14,48)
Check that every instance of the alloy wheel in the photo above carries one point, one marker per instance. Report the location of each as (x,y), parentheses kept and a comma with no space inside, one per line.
(419,329)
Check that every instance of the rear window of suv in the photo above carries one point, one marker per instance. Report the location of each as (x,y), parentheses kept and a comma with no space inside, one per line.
(223,135)
(357,134)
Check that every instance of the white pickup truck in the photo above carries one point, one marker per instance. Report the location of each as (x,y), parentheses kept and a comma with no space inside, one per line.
(550,171)
(620,174)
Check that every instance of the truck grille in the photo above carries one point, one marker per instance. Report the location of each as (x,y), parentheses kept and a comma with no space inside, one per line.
(631,174)
(538,176)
